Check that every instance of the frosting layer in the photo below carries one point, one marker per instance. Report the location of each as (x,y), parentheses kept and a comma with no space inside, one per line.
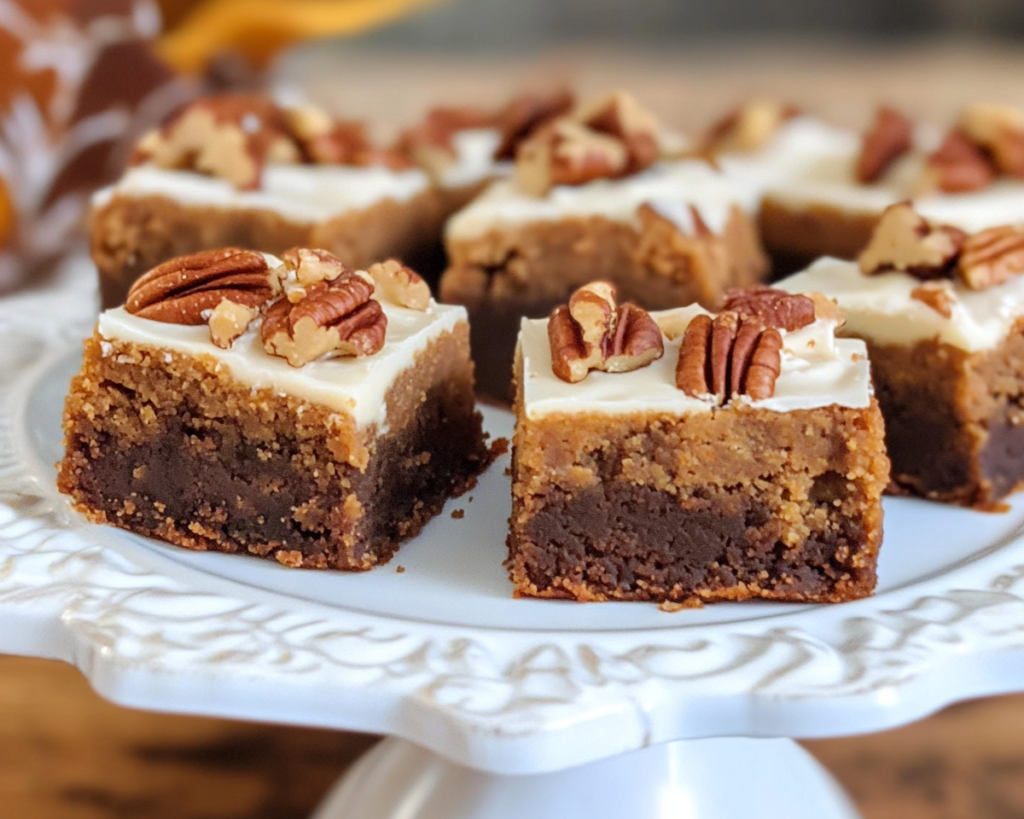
(354,386)
(809,162)
(667,186)
(817,370)
(299,193)
(474,158)
(881,308)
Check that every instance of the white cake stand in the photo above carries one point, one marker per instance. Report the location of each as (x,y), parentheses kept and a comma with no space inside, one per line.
(495,708)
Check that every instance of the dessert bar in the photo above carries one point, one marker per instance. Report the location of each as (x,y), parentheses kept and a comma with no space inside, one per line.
(294,409)
(685,457)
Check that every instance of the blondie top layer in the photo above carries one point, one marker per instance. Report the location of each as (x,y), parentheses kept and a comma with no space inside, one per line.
(817,370)
(302,194)
(809,163)
(356,386)
(474,160)
(893,307)
(670,187)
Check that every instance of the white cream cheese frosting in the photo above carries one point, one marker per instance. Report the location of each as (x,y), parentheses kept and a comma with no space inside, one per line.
(356,386)
(809,162)
(474,158)
(668,186)
(817,370)
(881,309)
(298,193)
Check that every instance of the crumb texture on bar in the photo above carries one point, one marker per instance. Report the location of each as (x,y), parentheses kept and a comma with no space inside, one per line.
(170,446)
(728,505)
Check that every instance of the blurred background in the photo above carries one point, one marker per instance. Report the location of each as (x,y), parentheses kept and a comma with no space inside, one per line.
(64,752)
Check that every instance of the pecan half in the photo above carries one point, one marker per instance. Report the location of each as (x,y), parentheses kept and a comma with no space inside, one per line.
(748,127)
(992,257)
(903,240)
(231,136)
(937,296)
(999,130)
(619,115)
(185,289)
(568,153)
(729,356)
(400,285)
(592,333)
(331,316)
(957,165)
(525,114)
(775,308)
(889,137)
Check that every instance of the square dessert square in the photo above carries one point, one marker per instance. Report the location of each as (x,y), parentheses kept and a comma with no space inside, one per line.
(693,478)
(597,194)
(942,313)
(824,188)
(239,170)
(320,429)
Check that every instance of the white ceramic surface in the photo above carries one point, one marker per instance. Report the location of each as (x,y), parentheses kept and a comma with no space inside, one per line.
(691,779)
(441,654)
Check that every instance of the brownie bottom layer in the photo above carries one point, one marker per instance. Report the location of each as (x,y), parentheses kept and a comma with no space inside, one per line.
(182,455)
(954,420)
(629,542)
(796,236)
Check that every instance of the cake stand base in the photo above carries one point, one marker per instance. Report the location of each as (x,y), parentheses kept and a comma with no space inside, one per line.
(688,779)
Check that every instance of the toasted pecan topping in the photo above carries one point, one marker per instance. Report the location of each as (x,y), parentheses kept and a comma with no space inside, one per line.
(999,131)
(619,115)
(431,142)
(592,333)
(729,356)
(184,290)
(526,114)
(992,257)
(748,127)
(568,153)
(775,308)
(228,321)
(231,136)
(889,137)
(937,296)
(958,165)
(905,241)
(400,284)
(332,315)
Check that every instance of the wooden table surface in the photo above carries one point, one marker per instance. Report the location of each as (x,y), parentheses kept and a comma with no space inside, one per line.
(66,753)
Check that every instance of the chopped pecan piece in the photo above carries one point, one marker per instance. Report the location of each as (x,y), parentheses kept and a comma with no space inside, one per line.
(776,308)
(748,127)
(525,114)
(619,115)
(999,130)
(331,316)
(184,290)
(430,143)
(889,137)
(228,321)
(231,136)
(400,284)
(592,333)
(992,257)
(568,153)
(957,166)
(904,241)
(729,356)
(325,140)
(937,295)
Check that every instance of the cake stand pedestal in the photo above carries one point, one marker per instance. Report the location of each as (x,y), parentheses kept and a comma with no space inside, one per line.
(495,707)
(686,779)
